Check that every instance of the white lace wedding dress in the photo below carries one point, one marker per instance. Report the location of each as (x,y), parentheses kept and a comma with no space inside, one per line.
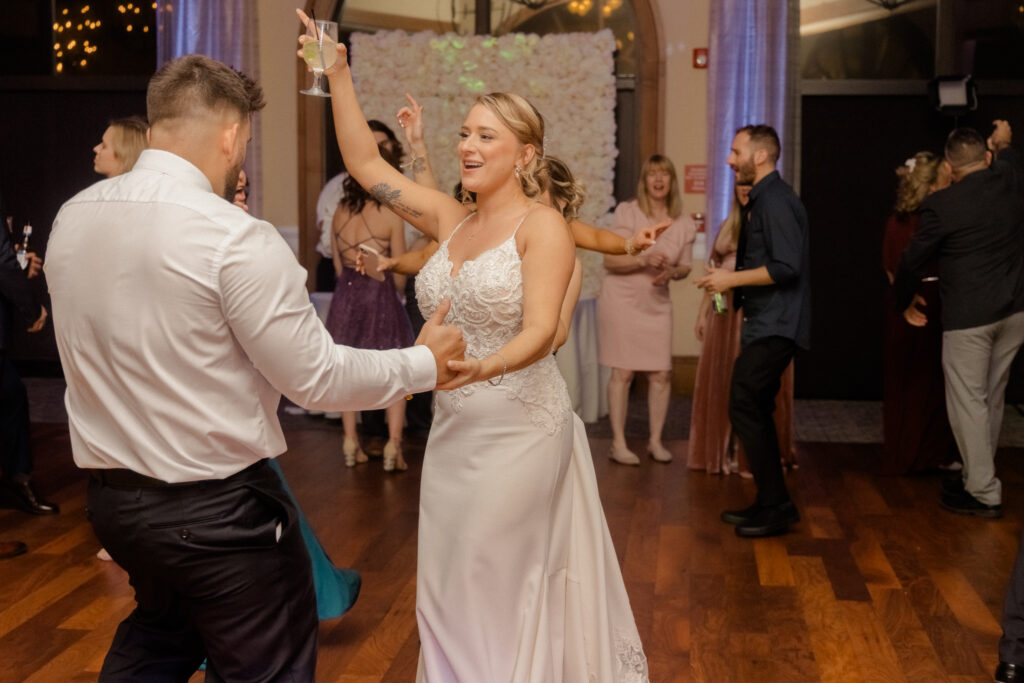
(517,578)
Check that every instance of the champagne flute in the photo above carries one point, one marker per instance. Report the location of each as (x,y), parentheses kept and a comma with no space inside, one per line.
(320,53)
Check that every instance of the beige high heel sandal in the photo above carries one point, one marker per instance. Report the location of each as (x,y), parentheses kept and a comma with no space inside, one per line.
(353,453)
(393,459)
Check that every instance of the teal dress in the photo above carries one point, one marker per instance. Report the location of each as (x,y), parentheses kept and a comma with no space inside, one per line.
(336,589)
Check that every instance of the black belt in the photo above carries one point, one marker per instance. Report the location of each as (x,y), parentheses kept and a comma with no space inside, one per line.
(128,479)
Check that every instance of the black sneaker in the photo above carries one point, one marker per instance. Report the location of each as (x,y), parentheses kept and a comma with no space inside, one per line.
(769,521)
(964,503)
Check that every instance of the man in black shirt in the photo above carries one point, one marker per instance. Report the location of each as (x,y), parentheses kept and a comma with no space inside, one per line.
(772,286)
(975,228)
(16,488)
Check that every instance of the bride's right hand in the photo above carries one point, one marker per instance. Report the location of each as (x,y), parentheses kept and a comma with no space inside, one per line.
(339,64)
(466,372)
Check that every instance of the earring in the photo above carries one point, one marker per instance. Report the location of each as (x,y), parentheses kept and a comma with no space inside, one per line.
(517,172)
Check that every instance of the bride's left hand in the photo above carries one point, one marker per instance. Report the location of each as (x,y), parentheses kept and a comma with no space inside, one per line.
(467,371)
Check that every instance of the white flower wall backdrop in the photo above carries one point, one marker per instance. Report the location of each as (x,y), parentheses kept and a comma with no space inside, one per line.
(568,77)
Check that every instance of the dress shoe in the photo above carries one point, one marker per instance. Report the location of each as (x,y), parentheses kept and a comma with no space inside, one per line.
(740,516)
(953,484)
(623,455)
(1009,673)
(658,452)
(15,548)
(964,503)
(20,494)
(770,520)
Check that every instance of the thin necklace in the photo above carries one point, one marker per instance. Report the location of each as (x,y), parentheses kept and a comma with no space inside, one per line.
(481,228)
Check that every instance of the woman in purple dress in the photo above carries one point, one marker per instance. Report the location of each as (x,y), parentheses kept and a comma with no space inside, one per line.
(367,312)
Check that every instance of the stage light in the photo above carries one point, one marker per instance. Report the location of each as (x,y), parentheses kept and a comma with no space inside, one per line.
(953,95)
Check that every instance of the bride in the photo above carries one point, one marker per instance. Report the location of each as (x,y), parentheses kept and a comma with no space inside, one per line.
(517,579)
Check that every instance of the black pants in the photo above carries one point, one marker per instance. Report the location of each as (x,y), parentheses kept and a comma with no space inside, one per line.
(1011,645)
(15,436)
(212,579)
(756,377)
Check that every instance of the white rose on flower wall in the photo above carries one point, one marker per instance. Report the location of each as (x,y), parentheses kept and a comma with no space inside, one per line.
(568,77)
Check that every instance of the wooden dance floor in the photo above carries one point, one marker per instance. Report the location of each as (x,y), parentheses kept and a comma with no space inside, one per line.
(877,583)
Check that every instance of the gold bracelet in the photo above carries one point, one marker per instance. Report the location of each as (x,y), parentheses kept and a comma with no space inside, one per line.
(504,369)
(631,250)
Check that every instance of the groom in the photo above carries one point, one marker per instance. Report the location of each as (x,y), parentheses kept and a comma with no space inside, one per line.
(180,321)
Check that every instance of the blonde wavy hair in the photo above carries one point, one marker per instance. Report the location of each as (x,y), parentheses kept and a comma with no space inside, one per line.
(674,200)
(730,227)
(526,123)
(916,178)
(565,191)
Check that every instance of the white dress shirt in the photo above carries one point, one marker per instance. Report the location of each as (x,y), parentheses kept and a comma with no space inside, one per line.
(180,321)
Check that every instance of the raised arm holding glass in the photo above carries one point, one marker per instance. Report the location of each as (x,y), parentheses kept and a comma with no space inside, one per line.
(512,546)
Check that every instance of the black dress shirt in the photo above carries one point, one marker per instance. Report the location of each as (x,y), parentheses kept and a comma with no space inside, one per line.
(15,290)
(975,228)
(775,235)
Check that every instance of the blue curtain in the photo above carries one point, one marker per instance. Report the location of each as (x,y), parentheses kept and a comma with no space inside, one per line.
(226,30)
(746,84)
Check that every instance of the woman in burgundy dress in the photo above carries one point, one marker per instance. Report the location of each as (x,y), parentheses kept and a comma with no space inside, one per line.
(365,312)
(916,429)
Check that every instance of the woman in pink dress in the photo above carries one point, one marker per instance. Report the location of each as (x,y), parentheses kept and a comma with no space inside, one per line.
(711,446)
(634,310)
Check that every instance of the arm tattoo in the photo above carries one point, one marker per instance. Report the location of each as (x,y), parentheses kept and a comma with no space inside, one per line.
(392,199)
(419,164)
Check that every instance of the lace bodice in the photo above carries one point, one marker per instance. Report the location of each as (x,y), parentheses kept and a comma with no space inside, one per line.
(487,304)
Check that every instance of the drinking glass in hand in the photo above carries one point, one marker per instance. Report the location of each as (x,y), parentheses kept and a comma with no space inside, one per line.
(320,53)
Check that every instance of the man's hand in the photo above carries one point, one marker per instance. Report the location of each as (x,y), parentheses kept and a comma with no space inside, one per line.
(35,264)
(715,280)
(444,341)
(41,322)
(913,314)
(1001,136)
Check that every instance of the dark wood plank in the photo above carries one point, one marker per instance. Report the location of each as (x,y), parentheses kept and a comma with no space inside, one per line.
(876,583)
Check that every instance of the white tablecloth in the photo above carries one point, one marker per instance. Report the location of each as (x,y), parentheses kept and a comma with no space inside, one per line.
(586,379)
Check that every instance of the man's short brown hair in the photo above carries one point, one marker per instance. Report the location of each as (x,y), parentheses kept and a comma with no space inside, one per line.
(964,147)
(764,136)
(188,86)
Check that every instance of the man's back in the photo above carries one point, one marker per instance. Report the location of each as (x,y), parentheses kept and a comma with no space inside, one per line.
(979,225)
(180,320)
